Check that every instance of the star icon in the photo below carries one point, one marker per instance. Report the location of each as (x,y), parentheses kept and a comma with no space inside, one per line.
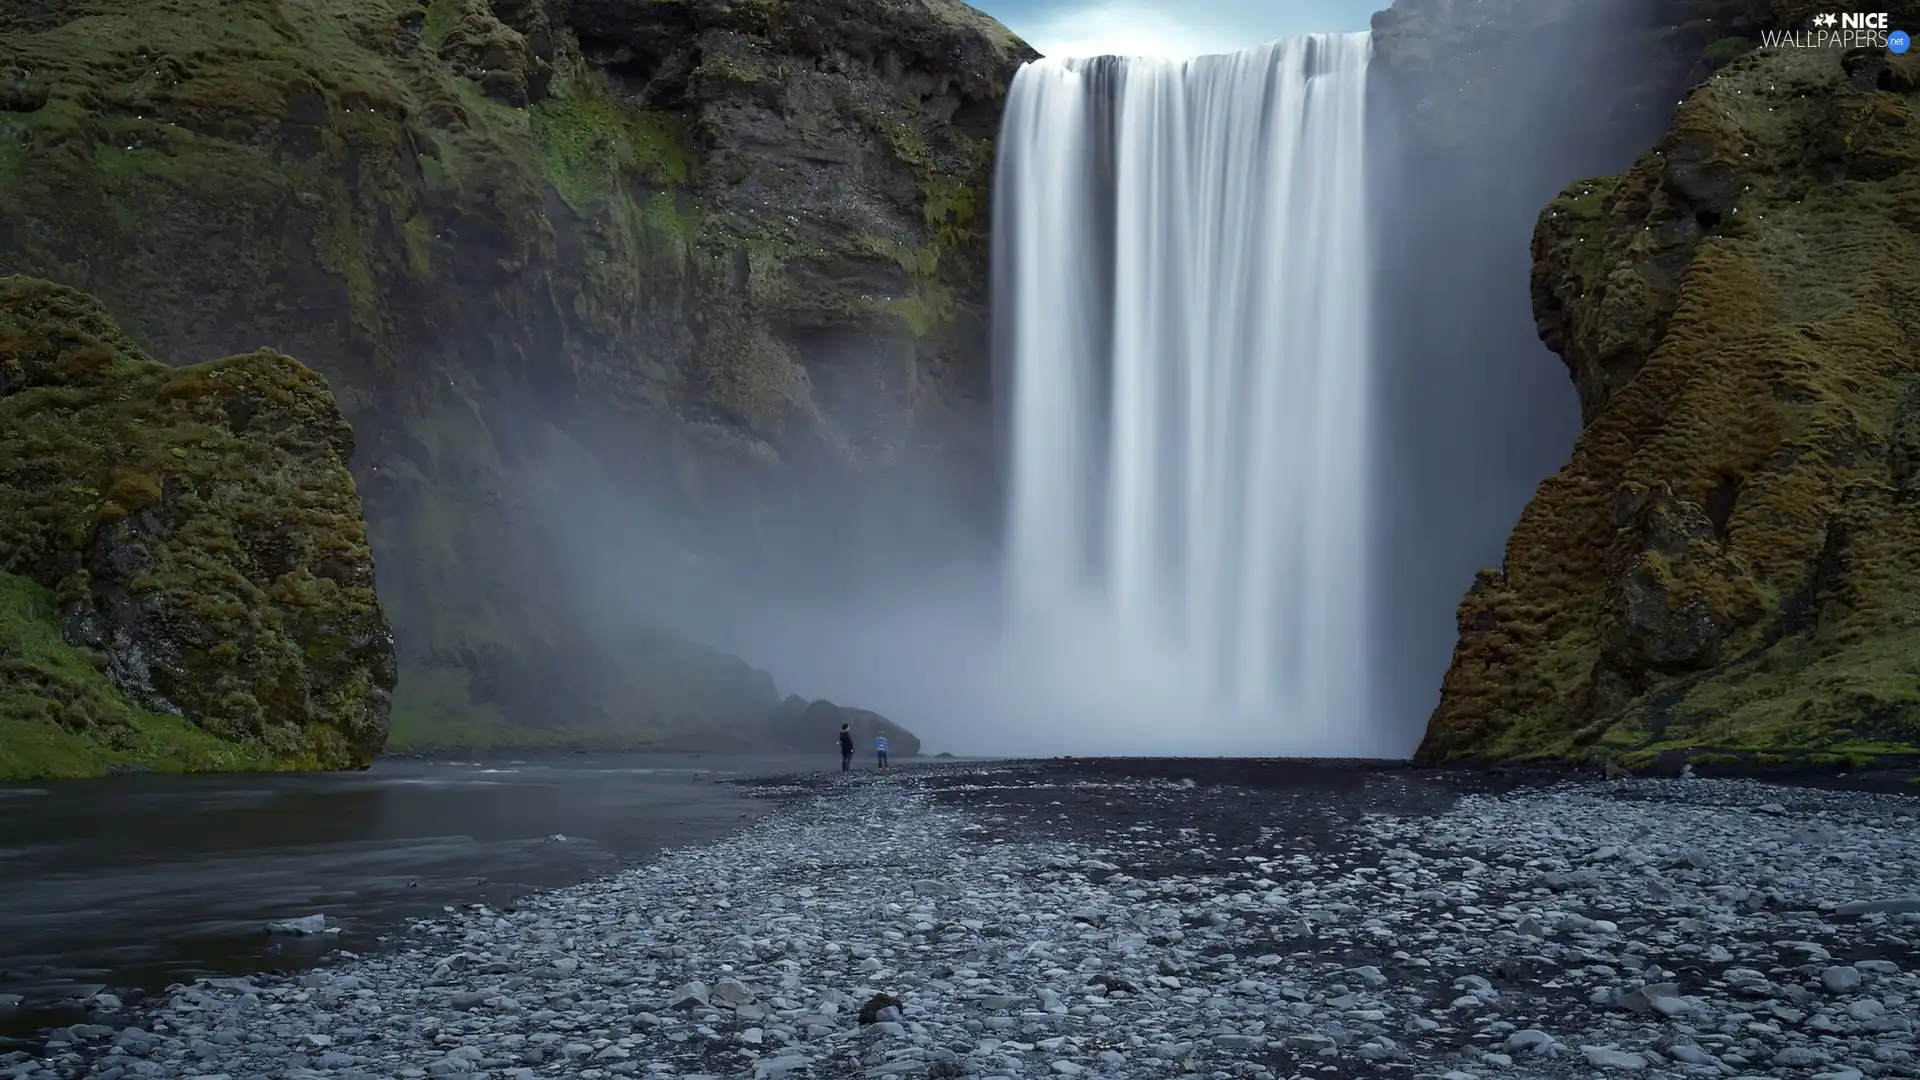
(1825,20)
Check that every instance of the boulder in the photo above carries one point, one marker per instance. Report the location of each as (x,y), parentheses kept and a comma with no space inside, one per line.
(202,542)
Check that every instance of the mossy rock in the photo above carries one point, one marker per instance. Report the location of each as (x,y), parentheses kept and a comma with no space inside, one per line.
(1724,565)
(61,715)
(200,533)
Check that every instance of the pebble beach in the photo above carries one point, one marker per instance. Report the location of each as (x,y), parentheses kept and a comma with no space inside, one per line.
(1128,919)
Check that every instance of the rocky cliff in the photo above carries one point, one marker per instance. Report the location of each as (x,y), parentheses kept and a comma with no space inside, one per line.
(1482,112)
(185,580)
(1724,565)
(811,727)
(732,251)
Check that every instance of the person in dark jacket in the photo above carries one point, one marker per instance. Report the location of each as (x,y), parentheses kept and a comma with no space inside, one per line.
(846,747)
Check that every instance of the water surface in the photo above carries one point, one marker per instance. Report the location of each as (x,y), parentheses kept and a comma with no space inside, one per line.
(143,881)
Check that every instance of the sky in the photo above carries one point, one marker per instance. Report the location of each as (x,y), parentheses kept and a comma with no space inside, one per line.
(1171,28)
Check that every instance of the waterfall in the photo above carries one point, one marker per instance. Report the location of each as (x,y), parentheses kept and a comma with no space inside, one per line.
(1182,294)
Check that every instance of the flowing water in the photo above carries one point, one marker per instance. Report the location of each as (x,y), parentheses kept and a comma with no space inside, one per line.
(140,881)
(1182,288)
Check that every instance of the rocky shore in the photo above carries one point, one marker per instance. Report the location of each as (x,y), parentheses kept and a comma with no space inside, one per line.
(1122,919)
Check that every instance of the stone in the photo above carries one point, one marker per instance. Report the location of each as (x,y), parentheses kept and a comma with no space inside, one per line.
(1129,977)
(1531,1040)
(1606,1057)
(1840,979)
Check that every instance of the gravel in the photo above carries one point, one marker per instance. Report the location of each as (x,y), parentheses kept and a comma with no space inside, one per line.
(1139,920)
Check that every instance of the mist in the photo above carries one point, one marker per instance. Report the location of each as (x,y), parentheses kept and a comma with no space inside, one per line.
(927,645)
(885,586)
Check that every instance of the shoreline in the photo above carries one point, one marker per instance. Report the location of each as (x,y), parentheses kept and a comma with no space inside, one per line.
(1892,774)
(407,843)
(1221,918)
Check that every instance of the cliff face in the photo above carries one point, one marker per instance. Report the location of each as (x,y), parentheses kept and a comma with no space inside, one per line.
(730,250)
(1725,563)
(176,544)
(1482,112)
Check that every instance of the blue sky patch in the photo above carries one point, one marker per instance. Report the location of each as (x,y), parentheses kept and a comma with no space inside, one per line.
(1175,28)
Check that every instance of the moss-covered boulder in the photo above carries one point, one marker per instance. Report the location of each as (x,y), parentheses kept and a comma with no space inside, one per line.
(1725,566)
(193,535)
(731,250)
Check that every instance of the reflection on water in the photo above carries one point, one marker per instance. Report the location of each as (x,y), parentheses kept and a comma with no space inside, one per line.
(147,880)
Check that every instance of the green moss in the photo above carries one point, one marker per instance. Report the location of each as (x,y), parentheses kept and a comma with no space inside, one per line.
(740,62)
(1801,694)
(217,495)
(435,711)
(441,17)
(669,221)
(590,144)
(285,127)
(61,716)
(955,247)
(948,207)
(1841,761)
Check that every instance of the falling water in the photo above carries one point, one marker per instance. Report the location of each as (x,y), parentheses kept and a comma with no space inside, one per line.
(1182,284)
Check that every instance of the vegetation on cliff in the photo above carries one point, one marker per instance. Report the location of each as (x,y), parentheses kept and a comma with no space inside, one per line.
(185,580)
(714,245)
(1725,565)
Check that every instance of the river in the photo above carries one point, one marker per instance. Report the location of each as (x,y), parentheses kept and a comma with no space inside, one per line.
(142,881)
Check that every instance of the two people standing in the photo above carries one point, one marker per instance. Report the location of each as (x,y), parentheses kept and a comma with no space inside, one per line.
(846,748)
